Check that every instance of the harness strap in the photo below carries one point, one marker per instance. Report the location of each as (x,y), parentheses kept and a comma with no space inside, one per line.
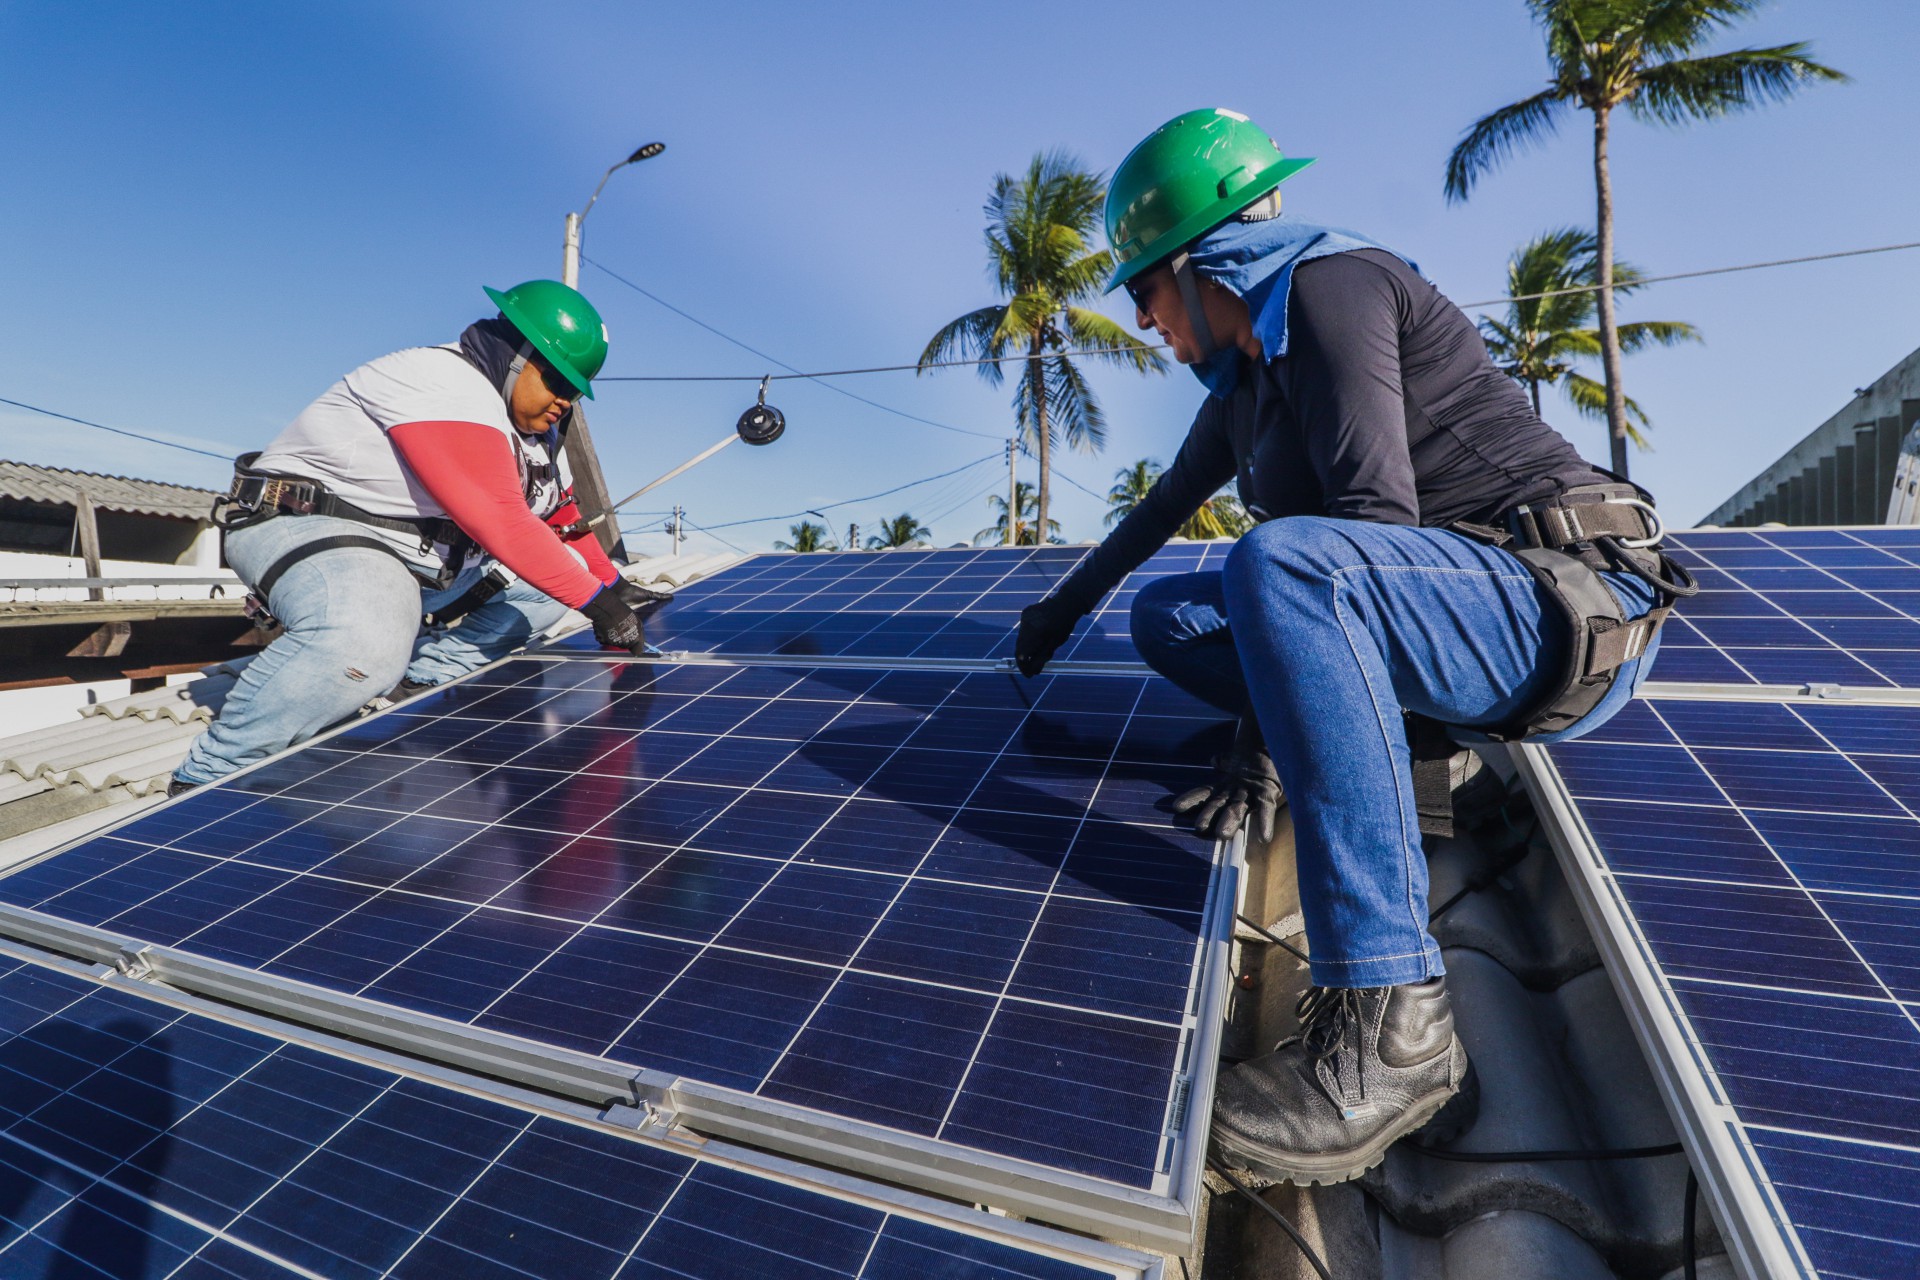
(333,542)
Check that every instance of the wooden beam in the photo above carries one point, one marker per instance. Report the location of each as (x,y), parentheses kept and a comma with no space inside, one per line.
(87,525)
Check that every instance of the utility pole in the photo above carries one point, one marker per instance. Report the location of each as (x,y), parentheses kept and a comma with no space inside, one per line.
(1013,490)
(589,482)
(853,536)
(675,527)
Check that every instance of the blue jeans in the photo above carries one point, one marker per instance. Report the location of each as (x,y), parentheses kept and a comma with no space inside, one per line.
(1337,626)
(498,627)
(351,616)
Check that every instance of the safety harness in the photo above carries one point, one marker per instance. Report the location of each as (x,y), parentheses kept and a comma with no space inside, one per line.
(1565,542)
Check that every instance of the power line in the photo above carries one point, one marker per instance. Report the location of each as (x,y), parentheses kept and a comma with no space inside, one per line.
(101,426)
(711,534)
(1100,351)
(792,372)
(847,502)
(1695,275)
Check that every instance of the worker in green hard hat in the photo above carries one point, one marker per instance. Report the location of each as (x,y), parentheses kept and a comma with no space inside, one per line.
(413,485)
(1431,562)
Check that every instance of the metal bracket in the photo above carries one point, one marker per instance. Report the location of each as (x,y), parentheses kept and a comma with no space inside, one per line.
(1829,691)
(133,962)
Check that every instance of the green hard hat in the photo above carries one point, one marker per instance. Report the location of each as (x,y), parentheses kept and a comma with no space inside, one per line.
(1188,176)
(562,326)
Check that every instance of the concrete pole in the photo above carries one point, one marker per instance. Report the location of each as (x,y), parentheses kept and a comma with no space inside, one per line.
(1013,490)
(678,510)
(589,481)
(570,254)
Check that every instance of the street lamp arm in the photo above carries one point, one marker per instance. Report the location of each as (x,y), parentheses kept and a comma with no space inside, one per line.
(647,152)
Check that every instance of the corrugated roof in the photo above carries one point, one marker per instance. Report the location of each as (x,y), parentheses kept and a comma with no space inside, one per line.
(30,483)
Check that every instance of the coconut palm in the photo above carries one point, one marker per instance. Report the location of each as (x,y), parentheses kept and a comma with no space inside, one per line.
(1220,516)
(903,530)
(1039,232)
(1027,503)
(1539,339)
(1640,55)
(808,536)
(1130,488)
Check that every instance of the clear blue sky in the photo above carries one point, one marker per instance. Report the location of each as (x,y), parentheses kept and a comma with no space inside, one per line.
(212,211)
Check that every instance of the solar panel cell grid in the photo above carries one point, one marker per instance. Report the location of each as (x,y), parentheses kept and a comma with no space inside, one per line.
(936,604)
(1797,606)
(1770,857)
(142,1141)
(909,898)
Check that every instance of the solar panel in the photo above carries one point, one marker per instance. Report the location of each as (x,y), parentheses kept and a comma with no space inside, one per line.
(1795,607)
(142,1139)
(951,604)
(945,903)
(1765,859)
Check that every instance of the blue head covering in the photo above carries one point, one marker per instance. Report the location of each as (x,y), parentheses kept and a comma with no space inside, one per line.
(1256,261)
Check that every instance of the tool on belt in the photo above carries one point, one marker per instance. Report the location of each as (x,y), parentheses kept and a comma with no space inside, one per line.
(257,495)
(1565,542)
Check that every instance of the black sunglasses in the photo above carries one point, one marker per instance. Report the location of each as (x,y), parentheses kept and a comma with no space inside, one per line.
(557,384)
(1133,291)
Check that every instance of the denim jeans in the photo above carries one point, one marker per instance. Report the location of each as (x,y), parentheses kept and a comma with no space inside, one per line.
(350,614)
(1337,625)
(498,627)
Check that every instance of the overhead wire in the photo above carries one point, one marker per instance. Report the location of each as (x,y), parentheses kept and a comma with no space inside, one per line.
(792,372)
(846,502)
(1095,351)
(118,431)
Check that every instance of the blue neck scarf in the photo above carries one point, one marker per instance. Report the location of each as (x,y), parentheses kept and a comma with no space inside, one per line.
(1256,261)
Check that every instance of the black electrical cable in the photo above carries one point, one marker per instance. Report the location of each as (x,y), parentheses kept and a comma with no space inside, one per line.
(793,373)
(101,426)
(844,502)
(1687,1225)
(1272,937)
(1293,1232)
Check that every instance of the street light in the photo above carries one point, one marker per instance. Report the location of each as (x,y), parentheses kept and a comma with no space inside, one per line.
(570,264)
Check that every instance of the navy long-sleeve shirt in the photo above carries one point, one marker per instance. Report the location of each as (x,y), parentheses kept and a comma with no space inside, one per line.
(1386,408)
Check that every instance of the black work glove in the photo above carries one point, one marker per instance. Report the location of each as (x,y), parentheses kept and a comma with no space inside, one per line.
(638,597)
(1244,794)
(614,624)
(1044,627)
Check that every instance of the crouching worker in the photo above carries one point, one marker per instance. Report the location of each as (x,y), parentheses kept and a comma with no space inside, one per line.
(1426,545)
(410,474)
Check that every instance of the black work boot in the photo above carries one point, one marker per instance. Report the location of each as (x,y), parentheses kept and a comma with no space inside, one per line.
(177,786)
(406,689)
(1370,1066)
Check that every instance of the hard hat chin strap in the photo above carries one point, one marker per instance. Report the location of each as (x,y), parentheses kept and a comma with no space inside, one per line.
(512,374)
(1189,282)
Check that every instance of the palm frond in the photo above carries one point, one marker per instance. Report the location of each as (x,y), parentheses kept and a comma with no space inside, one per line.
(1090,330)
(1494,137)
(1642,334)
(1589,398)
(975,335)
(1722,83)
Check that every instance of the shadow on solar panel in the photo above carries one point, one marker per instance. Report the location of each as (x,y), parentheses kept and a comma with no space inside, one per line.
(849,910)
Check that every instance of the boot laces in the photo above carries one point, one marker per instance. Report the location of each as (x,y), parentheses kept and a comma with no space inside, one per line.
(1325,1014)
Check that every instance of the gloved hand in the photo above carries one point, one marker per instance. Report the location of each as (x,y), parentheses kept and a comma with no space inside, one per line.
(1044,627)
(614,624)
(1244,794)
(638,597)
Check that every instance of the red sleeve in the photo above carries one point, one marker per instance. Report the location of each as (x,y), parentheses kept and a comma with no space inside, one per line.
(469,469)
(584,543)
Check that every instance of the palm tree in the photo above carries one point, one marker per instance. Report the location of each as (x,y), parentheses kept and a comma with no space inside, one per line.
(1220,516)
(808,536)
(1130,488)
(1637,54)
(1540,338)
(900,531)
(1039,228)
(1024,527)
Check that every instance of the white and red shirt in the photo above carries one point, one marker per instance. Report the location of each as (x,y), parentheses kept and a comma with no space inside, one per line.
(421,434)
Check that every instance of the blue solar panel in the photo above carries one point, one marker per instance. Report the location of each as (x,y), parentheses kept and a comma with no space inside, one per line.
(1797,606)
(948,903)
(138,1140)
(902,604)
(1769,856)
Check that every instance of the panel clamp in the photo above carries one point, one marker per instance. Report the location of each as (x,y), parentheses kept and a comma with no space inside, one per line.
(132,962)
(1827,691)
